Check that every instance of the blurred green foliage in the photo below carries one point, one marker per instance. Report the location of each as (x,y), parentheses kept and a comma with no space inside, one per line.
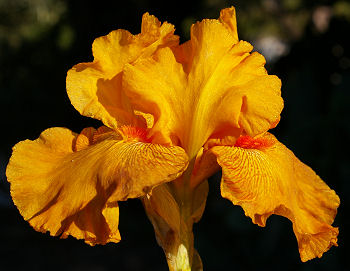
(306,44)
(28,20)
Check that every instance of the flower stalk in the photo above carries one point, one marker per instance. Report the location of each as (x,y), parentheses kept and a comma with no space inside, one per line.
(175,236)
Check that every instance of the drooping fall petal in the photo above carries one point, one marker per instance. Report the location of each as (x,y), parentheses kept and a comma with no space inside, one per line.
(70,184)
(95,88)
(213,85)
(265,178)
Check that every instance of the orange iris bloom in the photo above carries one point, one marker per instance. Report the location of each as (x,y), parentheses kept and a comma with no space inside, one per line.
(173,114)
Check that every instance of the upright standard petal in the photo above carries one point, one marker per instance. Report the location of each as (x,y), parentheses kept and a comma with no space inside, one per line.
(70,184)
(210,86)
(265,178)
(95,88)
(230,86)
(228,19)
(158,86)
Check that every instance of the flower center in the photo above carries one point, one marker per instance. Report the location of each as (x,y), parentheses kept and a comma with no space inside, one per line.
(131,133)
(247,142)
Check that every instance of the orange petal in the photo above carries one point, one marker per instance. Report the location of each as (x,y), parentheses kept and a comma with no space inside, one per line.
(157,86)
(212,85)
(96,96)
(84,139)
(265,178)
(76,193)
(234,88)
(95,88)
(228,19)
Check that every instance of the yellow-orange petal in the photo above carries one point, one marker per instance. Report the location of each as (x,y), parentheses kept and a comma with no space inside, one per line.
(265,178)
(228,19)
(76,193)
(212,85)
(84,139)
(95,88)
(234,88)
(95,95)
(158,86)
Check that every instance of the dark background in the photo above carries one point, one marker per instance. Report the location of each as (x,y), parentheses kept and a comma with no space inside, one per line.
(306,44)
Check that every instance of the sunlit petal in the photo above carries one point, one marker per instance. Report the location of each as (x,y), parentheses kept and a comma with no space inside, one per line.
(209,86)
(95,88)
(158,86)
(75,193)
(265,178)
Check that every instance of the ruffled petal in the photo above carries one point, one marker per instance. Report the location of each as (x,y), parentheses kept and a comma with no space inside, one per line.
(96,96)
(70,184)
(95,88)
(211,85)
(265,178)
(235,92)
(158,86)
(228,19)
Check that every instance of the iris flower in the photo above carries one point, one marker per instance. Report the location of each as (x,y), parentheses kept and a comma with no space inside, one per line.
(172,115)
